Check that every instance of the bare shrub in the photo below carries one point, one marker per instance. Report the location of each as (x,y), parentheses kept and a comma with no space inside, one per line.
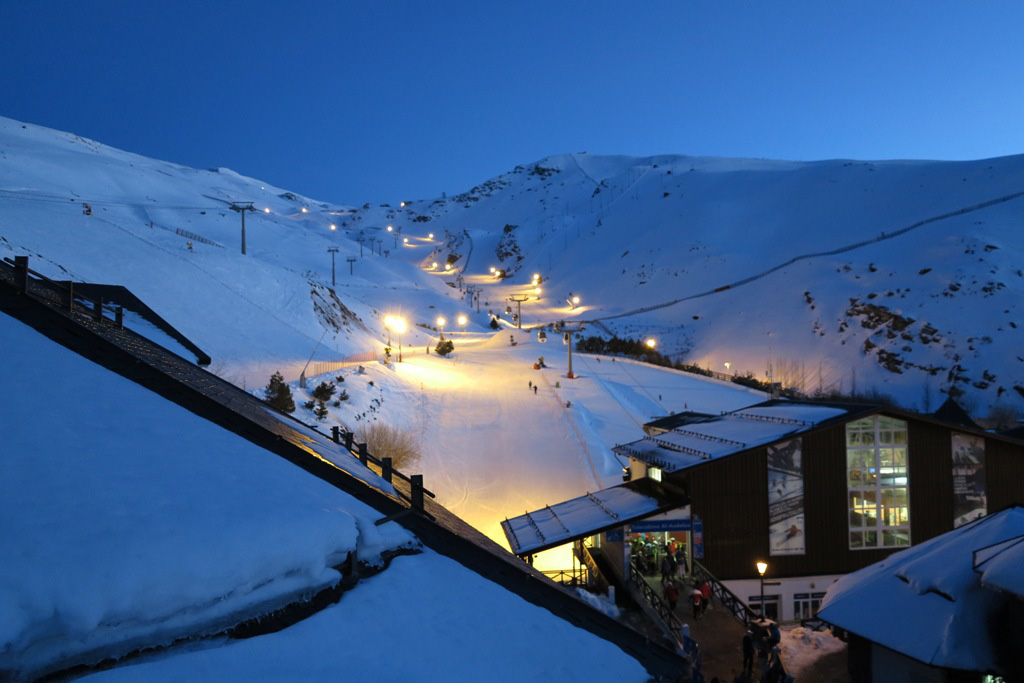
(385,441)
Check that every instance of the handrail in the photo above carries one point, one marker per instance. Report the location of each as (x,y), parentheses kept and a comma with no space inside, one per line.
(672,622)
(737,607)
(684,642)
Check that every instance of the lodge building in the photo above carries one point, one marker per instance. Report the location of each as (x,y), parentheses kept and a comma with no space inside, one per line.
(816,490)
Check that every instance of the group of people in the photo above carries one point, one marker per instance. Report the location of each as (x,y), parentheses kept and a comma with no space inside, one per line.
(647,552)
(763,638)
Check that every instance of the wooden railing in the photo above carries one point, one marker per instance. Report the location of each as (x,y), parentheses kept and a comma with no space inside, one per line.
(385,464)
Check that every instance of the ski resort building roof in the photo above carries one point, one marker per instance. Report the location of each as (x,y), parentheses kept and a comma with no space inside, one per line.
(678,442)
(588,514)
(938,602)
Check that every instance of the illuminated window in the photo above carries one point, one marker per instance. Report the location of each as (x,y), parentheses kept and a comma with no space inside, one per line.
(877,483)
(654,473)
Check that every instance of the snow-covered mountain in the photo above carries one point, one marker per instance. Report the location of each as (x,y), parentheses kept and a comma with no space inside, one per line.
(831,276)
(828,275)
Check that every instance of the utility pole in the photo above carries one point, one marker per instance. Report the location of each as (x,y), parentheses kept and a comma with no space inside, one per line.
(360,239)
(351,260)
(519,308)
(332,251)
(242,207)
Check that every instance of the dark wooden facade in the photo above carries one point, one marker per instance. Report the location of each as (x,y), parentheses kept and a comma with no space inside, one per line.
(730,495)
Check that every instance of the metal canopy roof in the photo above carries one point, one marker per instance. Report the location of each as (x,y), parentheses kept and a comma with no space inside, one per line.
(590,514)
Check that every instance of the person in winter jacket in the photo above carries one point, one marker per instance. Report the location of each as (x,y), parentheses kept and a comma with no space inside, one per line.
(671,595)
(748,654)
(696,598)
(705,591)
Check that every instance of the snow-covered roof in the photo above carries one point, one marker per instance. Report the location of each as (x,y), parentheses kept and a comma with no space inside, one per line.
(928,601)
(1000,565)
(588,514)
(700,440)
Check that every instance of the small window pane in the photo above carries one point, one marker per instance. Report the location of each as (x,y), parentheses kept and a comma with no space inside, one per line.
(856,539)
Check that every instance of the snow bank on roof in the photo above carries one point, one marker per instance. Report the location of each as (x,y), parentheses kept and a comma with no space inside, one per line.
(127,519)
(426,618)
(1001,566)
(927,601)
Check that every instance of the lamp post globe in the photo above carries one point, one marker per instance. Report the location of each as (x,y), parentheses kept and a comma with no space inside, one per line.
(762,567)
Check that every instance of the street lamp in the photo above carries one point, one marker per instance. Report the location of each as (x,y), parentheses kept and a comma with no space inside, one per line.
(399,325)
(651,343)
(440,325)
(462,320)
(762,567)
(388,322)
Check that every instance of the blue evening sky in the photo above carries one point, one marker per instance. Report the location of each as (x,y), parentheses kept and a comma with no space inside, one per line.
(386,100)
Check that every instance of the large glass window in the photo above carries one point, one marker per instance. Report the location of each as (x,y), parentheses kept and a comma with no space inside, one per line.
(877,483)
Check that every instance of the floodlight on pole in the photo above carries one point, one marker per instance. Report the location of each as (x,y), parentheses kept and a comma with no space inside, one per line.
(399,325)
(440,325)
(650,343)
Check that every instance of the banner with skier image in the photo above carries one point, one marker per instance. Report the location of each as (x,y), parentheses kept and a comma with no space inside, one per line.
(786,498)
(969,499)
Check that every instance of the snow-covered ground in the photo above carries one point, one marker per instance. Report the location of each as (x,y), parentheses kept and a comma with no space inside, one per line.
(492,447)
(935,307)
(426,618)
(128,519)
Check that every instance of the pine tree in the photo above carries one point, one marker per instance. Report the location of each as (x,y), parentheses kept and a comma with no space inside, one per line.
(324,391)
(320,411)
(279,394)
(445,347)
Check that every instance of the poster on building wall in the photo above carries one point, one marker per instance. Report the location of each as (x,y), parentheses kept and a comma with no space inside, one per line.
(969,500)
(786,498)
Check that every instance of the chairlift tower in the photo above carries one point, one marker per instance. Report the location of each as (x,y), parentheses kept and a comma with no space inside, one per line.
(519,299)
(242,207)
(332,251)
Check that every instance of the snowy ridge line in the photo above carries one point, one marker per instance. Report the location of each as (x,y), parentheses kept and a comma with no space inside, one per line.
(803,257)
